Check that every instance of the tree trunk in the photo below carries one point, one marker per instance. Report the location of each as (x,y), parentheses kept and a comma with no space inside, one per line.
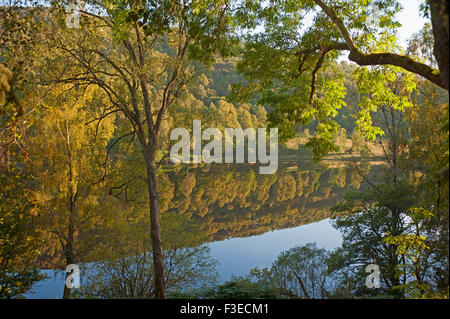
(155,229)
(67,290)
(439,21)
(68,249)
(69,256)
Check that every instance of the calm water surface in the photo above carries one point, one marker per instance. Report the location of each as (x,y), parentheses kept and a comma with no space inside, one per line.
(246,219)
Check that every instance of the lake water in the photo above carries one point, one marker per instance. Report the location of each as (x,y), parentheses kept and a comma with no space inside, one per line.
(246,219)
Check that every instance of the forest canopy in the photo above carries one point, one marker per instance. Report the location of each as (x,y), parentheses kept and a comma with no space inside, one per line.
(90,92)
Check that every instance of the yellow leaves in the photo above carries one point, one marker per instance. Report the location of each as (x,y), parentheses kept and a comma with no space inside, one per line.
(408,245)
(5,77)
(34,211)
(436,72)
(7,289)
(419,214)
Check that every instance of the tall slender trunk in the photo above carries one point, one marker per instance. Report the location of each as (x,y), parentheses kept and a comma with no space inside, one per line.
(69,261)
(155,229)
(439,21)
(394,148)
(69,246)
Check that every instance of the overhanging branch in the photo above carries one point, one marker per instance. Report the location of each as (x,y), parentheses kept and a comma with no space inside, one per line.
(399,60)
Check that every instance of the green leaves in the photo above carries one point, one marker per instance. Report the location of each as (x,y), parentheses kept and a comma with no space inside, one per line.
(321,146)
(290,67)
(381,86)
